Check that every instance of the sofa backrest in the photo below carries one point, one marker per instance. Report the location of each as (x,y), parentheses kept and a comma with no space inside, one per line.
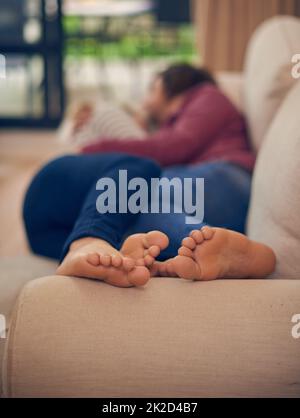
(268,72)
(274,215)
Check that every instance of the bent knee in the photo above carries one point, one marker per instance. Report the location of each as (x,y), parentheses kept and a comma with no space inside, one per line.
(146,166)
(39,189)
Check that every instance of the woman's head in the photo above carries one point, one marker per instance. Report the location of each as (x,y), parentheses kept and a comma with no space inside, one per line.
(170,85)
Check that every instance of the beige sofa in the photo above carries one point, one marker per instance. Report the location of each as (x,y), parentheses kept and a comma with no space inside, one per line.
(74,337)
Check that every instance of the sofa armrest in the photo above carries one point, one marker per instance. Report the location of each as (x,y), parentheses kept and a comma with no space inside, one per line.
(15,272)
(232,84)
(73,337)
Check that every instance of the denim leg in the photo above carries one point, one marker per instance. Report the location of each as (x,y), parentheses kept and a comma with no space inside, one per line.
(63,193)
(112,227)
(226,200)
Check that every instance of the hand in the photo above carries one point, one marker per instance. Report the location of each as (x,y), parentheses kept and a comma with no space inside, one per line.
(82,116)
(142,119)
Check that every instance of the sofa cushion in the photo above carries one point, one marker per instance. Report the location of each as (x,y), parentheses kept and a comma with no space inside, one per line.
(83,338)
(15,272)
(268,70)
(231,83)
(274,212)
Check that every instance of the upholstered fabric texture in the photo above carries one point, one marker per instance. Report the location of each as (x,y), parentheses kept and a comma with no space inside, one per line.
(174,338)
(15,272)
(274,212)
(232,85)
(268,72)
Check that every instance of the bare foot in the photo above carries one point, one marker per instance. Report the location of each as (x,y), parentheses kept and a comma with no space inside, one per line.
(96,259)
(214,253)
(163,269)
(144,248)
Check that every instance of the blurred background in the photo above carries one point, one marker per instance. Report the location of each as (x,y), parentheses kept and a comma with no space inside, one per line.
(57,50)
(54,53)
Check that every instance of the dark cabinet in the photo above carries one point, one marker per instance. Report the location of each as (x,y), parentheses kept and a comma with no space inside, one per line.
(31,48)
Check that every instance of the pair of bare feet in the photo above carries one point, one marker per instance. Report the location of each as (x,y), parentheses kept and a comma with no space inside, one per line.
(207,254)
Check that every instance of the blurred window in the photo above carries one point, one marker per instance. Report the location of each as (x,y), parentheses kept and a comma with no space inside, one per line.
(31,84)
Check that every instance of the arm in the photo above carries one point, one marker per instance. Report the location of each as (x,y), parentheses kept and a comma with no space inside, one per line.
(200,122)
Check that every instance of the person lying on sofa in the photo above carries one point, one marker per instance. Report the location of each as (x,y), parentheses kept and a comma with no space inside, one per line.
(195,123)
(200,135)
(203,136)
(63,221)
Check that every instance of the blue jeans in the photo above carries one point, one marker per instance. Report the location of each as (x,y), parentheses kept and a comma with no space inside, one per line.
(60,204)
(226,202)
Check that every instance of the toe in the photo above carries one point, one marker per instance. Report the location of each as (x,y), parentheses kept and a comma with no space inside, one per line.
(185,252)
(170,268)
(156,238)
(189,243)
(105,260)
(139,276)
(207,232)
(186,268)
(116,261)
(154,270)
(128,264)
(93,259)
(197,236)
(164,269)
(154,251)
(140,262)
(148,260)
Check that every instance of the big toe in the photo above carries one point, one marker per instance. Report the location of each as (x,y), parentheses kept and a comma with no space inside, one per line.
(156,239)
(187,268)
(139,276)
(208,232)
(128,264)
(93,259)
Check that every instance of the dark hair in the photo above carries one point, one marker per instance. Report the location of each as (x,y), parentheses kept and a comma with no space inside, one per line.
(179,78)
